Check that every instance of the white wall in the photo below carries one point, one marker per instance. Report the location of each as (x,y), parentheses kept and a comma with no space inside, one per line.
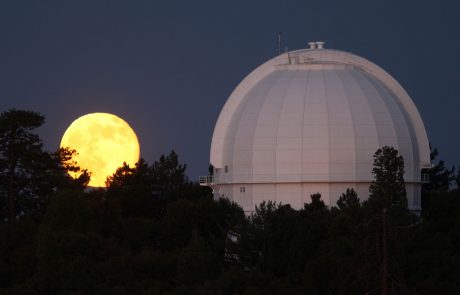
(296,194)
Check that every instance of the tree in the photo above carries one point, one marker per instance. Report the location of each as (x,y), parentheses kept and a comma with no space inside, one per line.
(316,205)
(197,262)
(389,203)
(28,174)
(168,174)
(69,244)
(348,200)
(272,241)
(141,174)
(457,179)
(21,155)
(388,189)
(62,162)
(440,177)
(132,190)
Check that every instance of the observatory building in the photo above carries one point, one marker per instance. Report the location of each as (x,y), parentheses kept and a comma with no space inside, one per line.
(309,121)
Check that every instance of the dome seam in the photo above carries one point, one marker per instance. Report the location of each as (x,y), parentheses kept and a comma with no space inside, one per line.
(328,131)
(302,128)
(408,126)
(353,123)
(278,127)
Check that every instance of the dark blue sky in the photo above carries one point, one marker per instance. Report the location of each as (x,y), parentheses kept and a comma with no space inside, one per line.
(167,67)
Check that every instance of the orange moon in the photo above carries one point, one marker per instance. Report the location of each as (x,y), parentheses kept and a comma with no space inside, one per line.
(103,142)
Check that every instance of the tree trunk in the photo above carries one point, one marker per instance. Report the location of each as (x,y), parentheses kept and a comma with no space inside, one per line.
(11,181)
(384,268)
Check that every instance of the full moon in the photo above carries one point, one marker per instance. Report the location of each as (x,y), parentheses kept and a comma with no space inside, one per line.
(103,142)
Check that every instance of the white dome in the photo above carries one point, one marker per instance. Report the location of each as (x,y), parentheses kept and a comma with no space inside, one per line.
(310,121)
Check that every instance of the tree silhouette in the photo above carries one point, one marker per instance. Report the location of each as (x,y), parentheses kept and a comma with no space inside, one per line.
(168,174)
(348,200)
(21,156)
(28,174)
(62,163)
(132,190)
(114,241)
(440,178)
(388,189)
(457,179)
(140,174)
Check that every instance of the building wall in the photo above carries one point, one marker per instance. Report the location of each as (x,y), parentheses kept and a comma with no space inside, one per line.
(297,194)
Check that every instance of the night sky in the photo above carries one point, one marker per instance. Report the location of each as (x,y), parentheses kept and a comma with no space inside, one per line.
(167,67)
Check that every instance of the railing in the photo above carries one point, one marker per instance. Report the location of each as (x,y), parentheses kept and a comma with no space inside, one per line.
(210,179)
(206,180)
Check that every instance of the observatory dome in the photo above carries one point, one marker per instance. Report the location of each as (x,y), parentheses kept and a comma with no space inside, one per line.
(309,121)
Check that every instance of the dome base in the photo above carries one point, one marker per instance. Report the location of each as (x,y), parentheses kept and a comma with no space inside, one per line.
(249,195)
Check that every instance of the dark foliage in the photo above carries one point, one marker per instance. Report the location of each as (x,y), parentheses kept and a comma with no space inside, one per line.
(388,189)
(440,179)
(29,175)
(90,243)
(348,200)
(154,232)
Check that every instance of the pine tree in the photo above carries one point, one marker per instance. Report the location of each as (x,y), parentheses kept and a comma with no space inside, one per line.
(139,175)
(28,174)
(349,199)
(440,177)
(21,155)
(168,174)
(62,162)
(457,178)
(388,189)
